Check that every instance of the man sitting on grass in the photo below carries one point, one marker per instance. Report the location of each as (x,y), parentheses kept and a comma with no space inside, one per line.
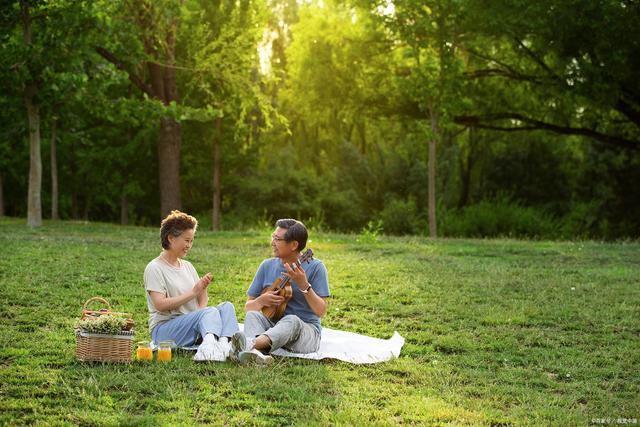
(299,329)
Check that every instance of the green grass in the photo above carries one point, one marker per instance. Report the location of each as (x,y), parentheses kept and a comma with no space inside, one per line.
(498,332)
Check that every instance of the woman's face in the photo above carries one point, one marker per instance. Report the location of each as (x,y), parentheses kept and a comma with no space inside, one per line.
(181,244)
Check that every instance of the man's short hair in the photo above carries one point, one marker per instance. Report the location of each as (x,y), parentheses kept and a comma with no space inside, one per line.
(174,225)
(295,231)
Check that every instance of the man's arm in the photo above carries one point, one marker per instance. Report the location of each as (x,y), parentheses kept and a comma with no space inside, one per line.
(267,299)
(317,303)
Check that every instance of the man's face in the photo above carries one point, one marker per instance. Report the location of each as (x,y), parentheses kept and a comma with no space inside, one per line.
(280,247)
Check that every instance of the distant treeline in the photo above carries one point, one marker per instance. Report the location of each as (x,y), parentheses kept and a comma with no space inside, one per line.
(427,117)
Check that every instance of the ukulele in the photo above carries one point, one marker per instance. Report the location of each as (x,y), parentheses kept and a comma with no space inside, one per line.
(283,286)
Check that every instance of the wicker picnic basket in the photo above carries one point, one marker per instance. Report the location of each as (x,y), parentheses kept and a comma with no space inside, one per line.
(92,347)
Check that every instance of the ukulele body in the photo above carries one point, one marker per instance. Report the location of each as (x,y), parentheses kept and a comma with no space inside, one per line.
(275,312)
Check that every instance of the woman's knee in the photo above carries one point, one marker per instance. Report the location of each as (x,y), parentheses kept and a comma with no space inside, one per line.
(208,311)
(226,306)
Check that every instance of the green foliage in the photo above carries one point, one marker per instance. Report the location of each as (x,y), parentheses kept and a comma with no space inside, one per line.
(105,324)
(498,217)
(371,233)
(326,109)
(401,217)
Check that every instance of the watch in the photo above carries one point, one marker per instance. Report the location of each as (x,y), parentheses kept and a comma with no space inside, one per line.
(306,290)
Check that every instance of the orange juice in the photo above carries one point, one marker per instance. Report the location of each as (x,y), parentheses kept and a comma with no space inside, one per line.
(164,355)
(143,353)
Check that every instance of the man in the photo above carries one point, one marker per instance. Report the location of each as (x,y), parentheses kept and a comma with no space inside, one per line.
(299,329)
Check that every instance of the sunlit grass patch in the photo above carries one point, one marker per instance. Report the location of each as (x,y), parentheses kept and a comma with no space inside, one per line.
(498,332)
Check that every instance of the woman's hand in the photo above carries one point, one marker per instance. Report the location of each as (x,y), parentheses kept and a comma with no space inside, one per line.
(203,283)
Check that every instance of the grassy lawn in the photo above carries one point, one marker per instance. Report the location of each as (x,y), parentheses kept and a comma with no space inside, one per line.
(498,332)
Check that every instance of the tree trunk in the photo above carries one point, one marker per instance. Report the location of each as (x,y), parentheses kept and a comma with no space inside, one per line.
(73,169)
(215,220)
(466,167)
(87,206)
(1,198)
(169,141)
(163,83)
(34,204)
(74,203)
(124,209)
(54,172)
(433,232)
(362,130)
(34,214)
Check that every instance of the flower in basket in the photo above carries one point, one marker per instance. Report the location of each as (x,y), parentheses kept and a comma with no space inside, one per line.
(106,324)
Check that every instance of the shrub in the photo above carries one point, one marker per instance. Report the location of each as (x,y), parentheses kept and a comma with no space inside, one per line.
(401,217)
(497,217)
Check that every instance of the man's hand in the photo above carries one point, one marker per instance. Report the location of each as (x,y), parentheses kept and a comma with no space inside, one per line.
(298,275)
(203,283)
(269,299)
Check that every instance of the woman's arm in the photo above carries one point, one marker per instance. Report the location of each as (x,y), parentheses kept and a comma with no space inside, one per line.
(203,299)
(163,303)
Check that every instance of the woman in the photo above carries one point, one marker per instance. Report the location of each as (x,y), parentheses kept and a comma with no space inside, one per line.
(177,298)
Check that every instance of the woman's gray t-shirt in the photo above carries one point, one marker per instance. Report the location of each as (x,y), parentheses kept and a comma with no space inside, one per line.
(161,277)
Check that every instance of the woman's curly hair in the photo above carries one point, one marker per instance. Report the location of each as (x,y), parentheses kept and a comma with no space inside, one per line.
(174,225)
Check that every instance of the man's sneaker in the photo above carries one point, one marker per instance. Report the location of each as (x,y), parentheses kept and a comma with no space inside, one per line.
(238,342)
(254,357)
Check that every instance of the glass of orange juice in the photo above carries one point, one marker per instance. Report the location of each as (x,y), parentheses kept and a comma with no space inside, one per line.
(143,352)
(164,351)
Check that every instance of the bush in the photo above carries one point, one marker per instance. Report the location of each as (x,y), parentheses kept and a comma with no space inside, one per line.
(497,217)
(401,217)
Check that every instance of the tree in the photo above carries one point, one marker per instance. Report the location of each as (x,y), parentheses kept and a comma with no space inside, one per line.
(577,61)
(156,26)
(30,91)
(36,49)
(220,46)
(429,72)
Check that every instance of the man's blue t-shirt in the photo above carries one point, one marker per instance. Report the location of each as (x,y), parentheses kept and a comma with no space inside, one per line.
(316,272)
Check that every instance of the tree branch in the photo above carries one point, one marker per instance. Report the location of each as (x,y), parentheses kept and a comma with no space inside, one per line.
(485,122)
(490,59)
(539,61)
(627,109)
(492,72)
(137,81)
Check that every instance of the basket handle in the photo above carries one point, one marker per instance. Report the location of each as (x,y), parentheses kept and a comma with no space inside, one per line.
(84,307)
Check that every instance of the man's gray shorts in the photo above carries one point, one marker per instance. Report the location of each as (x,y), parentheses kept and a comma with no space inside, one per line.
(290,332)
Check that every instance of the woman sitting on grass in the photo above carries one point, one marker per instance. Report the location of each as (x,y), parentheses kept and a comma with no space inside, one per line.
(177,298)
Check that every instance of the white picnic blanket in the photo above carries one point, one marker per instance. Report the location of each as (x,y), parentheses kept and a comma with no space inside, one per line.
(346,346)
(351,347)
